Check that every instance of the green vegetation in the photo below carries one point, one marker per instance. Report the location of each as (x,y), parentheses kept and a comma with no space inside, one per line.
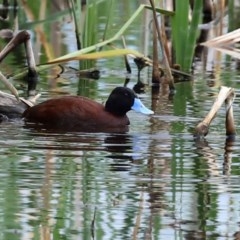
(185,33)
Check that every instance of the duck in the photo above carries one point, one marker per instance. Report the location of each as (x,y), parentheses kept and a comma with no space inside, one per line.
(80,113)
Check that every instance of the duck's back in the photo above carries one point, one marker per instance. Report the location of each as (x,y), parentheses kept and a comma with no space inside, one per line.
(74,113)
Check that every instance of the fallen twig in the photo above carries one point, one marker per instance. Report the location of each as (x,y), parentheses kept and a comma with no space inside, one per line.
(226,95)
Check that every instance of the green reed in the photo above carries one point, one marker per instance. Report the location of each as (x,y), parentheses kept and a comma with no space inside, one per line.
(90,40)
(86,19)
(185,32)
(77,19)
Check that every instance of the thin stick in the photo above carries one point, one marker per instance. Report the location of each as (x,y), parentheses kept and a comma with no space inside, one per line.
(165,60)
(115,37)
(32,72)
(11,88)
(155,69)
(202,128)
(16,41)
(229,123)
(93,223)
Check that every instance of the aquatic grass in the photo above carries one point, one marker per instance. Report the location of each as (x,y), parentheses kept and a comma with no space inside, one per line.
(97,46)
(185,33)
(231,16)
(179,23)
(193,34)
(109,19)
(98,55)
(77,14)
(84,53)
(89,56)
(86,20)
(89,30)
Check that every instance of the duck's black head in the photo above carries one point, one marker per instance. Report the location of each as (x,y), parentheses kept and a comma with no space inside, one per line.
(123,99)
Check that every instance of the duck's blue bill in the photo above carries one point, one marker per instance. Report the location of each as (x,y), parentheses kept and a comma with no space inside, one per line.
(139,107)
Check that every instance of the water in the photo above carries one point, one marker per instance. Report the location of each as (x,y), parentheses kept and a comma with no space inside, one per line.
(154,182)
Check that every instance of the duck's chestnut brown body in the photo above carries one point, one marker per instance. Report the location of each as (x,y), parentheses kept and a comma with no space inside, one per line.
(74,113)
(83,114)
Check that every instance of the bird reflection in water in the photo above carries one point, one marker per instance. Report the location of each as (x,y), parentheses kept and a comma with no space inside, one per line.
(122,148)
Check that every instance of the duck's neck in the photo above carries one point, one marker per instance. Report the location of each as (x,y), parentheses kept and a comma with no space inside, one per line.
(116,111)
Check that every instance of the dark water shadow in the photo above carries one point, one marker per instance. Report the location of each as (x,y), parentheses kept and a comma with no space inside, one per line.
(83,128)
(116,145)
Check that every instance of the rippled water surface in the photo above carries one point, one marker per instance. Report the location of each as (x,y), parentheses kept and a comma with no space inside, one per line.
(154,182)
